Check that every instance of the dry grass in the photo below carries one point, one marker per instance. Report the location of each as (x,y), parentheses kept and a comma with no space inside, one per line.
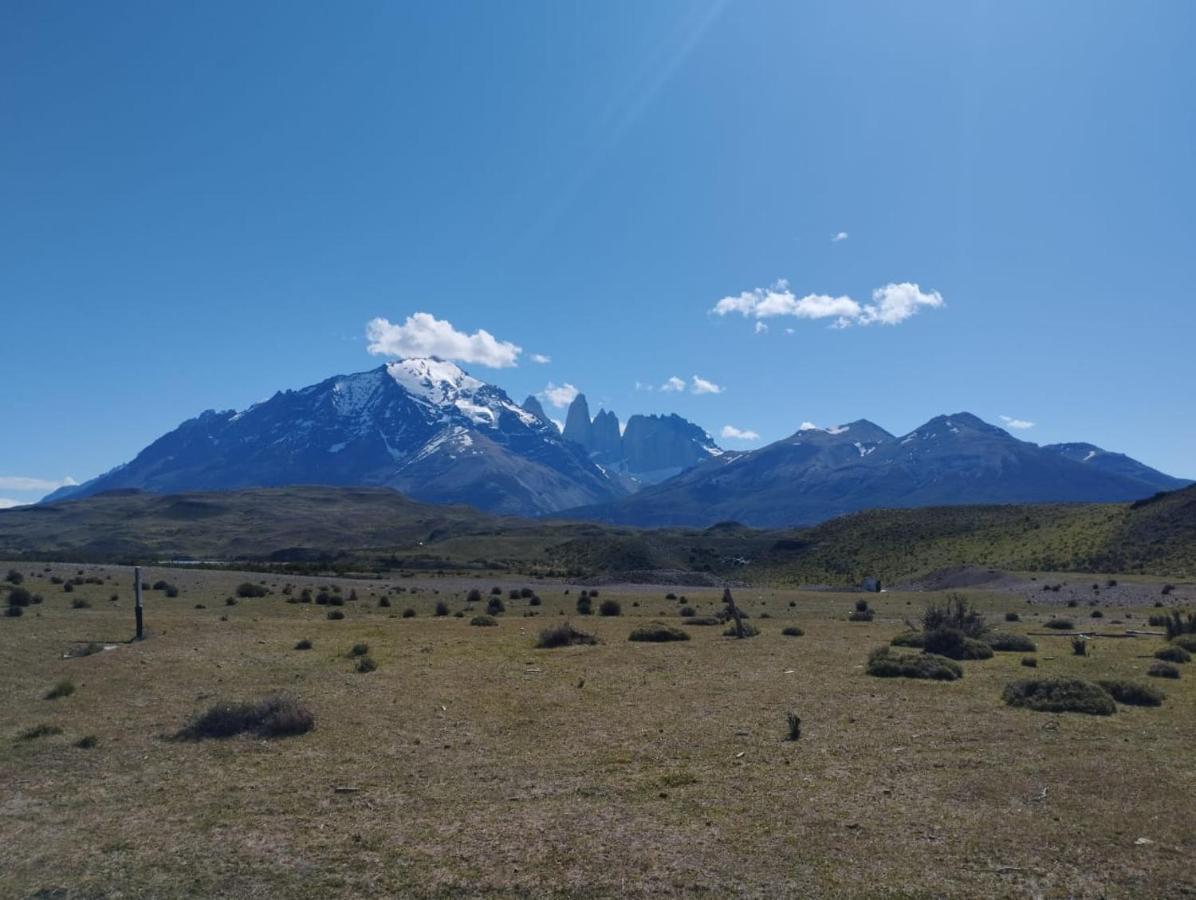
(472,764)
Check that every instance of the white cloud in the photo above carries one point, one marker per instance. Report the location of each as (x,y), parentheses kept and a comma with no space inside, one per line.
(640,386)
(425,335)
(737,434)
(673,384)
(838,236)
(700,385)
(541,359)
(891,304)
(560,426)
(559,396)
(808,426)
(6,503)
(761,328)
(21,483)
(1019,424)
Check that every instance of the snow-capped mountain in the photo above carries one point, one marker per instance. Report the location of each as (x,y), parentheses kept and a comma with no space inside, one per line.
(818,473)
(1118,463)
(421,426)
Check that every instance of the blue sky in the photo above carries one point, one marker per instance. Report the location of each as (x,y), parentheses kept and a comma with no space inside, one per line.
(206,203)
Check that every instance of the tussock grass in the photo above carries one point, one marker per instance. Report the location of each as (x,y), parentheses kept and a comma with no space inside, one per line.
(1131,693)
(564,635)
(63,688)
(279,715)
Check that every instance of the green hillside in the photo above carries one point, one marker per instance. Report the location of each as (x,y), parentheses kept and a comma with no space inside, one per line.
(380,529)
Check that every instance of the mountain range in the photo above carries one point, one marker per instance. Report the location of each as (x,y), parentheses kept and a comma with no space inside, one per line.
(430,430)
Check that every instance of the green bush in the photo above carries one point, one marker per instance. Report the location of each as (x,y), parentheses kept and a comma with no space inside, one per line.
(563,636)
(1133,694)
(336,615)
(702,620)
(1173,653)
(956,613)
(409,613)
(484,621)
(1030,662)
(884,663)
(909,639)
(1010,643)
(954,644)
(495,606)
(64,688)
(249,589)
(304,644)
(441,608)
(610,607)
(1060,624)
(366,664)
(658,633)
(748,631)
(1060,695)
(792,631)
(1162,670)
(1186,641)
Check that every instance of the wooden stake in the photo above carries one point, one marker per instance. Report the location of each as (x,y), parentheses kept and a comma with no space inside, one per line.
(137,607)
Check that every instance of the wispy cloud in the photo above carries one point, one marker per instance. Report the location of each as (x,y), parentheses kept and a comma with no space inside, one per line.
(559,396)
(425,335)
(761,328)
(541,359)
(641,386)
(739,434)
(1018,424)
(673,385)
(22,483)
(891,305)
(838,236)
(699,385)
(6,503)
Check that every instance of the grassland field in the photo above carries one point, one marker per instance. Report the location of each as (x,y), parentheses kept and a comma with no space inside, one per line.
(470,763)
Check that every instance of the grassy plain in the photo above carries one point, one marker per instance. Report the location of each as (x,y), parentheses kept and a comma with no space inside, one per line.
(471,764)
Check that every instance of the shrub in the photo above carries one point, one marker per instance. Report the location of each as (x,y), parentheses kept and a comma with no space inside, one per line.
(366,664)
(384,602)
(954,644)
(745,631)
(658,633)
(563,636)
(160,585)
(956,613)
(409,613)
(584,606)
(361,648)
(279,715)
(249,589)
(441,608)
(609,607)
(1162,670)
(1010,643)
(670,596)
(534,600)
(862,612)
(14,612)
(336,615)
(909,639)
(484,621)
(14,577)
(495,606)
(792,631)
(1012,617)
(1060,624)
(496,591)
(304,644)
(1173,653)
(37,731)
(1186,641)
(1178,624)
(686,611)
(64,688)
(1030,662)
(1079,646)
(87,742)
(1157,621)
(884,663)
(474,596)
(80,603)
(19,596)
(1133,694)
(1096,614)
(702,620)
(1060,695)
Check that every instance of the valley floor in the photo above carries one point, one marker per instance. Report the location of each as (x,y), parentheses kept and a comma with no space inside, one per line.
(471,764)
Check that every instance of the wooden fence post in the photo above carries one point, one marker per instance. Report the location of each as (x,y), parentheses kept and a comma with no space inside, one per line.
(137,607)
